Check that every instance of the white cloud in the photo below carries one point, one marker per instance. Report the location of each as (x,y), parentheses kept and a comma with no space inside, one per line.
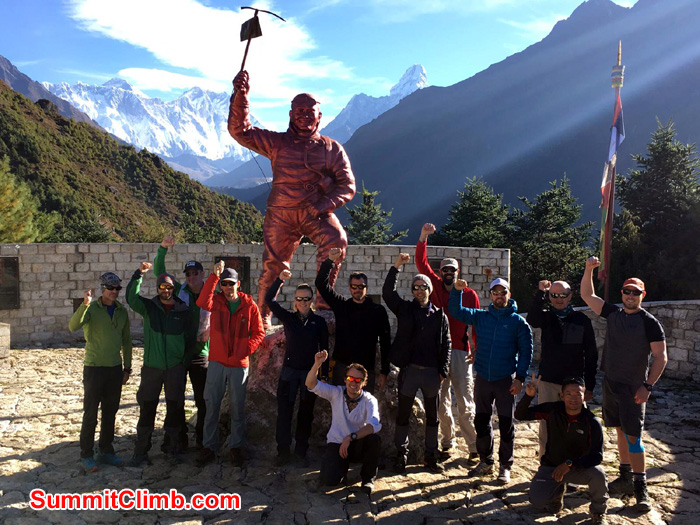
(203,43)
(166,81)
(534,30)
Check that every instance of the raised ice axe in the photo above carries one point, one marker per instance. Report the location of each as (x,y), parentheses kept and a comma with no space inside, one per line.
(251,29)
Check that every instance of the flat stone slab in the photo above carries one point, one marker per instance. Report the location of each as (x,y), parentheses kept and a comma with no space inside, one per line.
(41,411)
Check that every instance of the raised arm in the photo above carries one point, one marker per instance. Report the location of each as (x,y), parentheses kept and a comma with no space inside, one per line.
(333,298)
(457,310)
(80,316)
(133,298)
(271,297)
(422,255)
(159,262)
(312,377)
(206,295)
(535,315)
(239,124)
(588,295)
(389,293)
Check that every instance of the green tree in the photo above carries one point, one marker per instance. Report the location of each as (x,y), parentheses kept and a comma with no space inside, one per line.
(81,227)
(20,218)
(369,224)
(661,209)
(545,241)
(478,218)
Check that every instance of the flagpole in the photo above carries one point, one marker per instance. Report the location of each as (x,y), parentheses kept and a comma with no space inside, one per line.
(608,184)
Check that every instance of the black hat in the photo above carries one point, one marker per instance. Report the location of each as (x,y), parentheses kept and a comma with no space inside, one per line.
(229,274)
(193,264)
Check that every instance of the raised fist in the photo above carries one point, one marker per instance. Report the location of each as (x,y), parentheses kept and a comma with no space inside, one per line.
(218,268)
(402,259)
(168,241)
(285,274)
(335,254)
(427,229)
(460,284)
(87,297)
(592,262)
(240,82)
(544,285)
(145,266)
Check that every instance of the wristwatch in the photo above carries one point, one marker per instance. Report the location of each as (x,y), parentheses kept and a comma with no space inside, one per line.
(648,386)
(353,436)
(569,463)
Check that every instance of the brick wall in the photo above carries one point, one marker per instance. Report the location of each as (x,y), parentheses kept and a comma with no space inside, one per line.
(53,276)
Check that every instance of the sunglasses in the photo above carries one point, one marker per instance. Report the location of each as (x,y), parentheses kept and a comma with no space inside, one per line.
(192,274)
(627,291)
(417,287)
(227,283)
(558,295)
(302,299)
(358,286)
(117,288)
(165,287)
(498,292)
(357,380)
(448,269)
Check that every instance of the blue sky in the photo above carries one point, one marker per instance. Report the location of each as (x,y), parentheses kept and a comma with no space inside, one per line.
(333,48)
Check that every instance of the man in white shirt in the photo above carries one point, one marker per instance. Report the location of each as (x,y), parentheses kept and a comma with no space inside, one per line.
(354,425)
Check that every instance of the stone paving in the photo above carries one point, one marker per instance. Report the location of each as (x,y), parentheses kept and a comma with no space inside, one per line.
(41,411)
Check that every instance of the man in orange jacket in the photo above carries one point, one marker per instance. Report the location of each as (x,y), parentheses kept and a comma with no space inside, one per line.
(236,332)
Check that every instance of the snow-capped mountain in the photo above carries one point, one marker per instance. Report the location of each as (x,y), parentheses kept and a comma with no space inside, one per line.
(194,124)
(363,108)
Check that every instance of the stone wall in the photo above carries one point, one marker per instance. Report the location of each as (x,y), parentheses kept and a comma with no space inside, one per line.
(53,277)
(4,340)
(681,322)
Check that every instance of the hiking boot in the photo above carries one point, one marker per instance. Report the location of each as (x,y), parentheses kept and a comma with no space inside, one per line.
(482,469)
(400,464)
(204,456)
(88,464)
(503,475)
(622,485)
(433,466)
(110,459)
(139,459)
(367,487)
(598,519)
(236,457)
(641,494)
(445,454)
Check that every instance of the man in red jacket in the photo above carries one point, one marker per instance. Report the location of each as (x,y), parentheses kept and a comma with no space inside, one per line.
(236,332)
(460,376)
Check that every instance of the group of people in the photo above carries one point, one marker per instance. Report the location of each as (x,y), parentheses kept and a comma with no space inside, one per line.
(192,328)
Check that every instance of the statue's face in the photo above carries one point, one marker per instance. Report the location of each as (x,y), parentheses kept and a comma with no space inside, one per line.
(305,117)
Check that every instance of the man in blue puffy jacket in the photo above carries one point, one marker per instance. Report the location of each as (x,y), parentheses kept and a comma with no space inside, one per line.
(501,364)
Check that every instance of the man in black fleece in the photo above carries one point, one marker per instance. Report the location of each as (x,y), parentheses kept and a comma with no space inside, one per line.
(306,334)
(421,349)
(359,322)
(574,448)
(568,344)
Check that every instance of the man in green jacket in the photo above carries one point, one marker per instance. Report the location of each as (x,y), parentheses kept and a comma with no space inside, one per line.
(105,324)
(197,369)
(166,334)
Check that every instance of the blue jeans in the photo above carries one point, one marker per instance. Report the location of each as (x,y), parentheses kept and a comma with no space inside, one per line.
(218,376)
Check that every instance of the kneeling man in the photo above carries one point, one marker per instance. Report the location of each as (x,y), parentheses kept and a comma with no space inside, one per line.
(574,448)
(354,425)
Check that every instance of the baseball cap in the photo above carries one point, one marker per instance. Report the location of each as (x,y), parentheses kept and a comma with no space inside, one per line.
(305,99)
(449,261)
(499,282)
(229,274)
(633,282)
(189,265)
